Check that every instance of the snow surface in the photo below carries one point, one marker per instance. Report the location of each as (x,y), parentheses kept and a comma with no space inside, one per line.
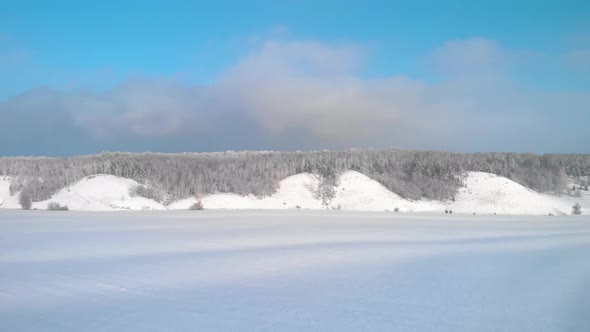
(292,271)
(483,193)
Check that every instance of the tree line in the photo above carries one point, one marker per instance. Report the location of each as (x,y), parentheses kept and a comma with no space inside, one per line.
(411,174)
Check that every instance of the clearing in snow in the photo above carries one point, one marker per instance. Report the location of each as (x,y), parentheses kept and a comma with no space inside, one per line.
(292,271)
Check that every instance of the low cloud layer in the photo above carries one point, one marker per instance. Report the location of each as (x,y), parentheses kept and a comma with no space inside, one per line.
(310,95)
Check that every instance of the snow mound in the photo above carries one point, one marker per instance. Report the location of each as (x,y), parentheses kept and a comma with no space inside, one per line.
(101,193)
(356,191)
(488,193)
(296,191)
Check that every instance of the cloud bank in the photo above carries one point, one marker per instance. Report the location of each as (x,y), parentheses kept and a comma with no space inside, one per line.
(310,95)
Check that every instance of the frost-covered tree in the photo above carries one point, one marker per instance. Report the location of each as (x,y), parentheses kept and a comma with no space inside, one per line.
(24,199)
(410,174)
(577,209)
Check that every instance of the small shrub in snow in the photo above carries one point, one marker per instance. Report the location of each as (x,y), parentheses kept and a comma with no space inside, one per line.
(446,211)
(53,206)
(577,209)
(450,211)
(396,209)
(25,201)
(197,206)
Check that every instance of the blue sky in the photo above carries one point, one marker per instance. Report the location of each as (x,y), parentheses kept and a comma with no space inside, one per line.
(176,75)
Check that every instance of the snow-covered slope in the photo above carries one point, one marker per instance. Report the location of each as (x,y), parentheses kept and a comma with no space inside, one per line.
(356,191)
(484,193)
(101,193)
(488,193)
(296,191)
(6,200)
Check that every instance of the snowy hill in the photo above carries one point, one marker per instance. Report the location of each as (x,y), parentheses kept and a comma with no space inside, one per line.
(356,191)
(101,193)
(483,193)
(294,191)
(488,193)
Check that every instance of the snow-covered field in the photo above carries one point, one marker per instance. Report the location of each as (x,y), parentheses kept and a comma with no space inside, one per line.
(482,193)
(292,271)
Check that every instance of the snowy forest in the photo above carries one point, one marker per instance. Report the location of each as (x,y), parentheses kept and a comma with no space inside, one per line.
(166,177)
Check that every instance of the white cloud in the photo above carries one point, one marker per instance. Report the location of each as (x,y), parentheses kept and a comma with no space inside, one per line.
(142,107)
(469,55)
(310,94)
